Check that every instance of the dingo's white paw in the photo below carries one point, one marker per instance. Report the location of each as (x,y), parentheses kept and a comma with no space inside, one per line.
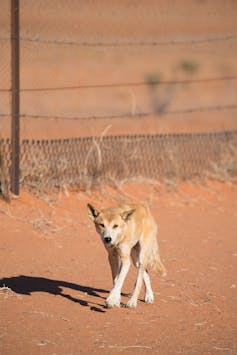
(113,301)
(131,303)
(149,298)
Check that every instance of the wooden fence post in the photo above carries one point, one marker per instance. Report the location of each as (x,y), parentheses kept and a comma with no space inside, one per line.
(15,121)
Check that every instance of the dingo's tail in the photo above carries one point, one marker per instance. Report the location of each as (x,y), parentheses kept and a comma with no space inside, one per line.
(155,260)
(159,267)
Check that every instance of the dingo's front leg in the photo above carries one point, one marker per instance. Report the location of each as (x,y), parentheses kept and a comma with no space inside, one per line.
(132,303)
(115,265)
(114,297)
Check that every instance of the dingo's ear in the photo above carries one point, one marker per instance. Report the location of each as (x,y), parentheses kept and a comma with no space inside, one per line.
(127,215)
(93,212)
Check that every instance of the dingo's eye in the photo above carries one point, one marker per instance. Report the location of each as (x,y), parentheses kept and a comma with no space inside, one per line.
(102,225)
(115,226)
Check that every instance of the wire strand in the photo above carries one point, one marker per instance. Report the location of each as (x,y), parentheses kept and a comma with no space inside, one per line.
(129,43)
(155,42)
(126,84)
(135,115)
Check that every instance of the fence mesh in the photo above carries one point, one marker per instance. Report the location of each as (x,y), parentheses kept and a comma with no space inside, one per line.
(88,162)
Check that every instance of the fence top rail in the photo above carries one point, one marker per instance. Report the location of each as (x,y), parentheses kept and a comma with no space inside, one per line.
(125,136)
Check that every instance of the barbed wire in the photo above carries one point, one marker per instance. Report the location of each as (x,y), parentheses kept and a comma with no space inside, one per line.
(127,84)
(5,90)
(129,43)
(142,83)
(132,115)
(154,42)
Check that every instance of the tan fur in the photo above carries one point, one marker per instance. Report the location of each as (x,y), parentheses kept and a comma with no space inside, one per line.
(129,231)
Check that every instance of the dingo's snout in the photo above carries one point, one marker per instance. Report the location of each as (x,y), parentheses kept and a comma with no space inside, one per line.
(107,240)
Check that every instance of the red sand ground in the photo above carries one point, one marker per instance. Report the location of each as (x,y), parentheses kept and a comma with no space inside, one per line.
(58,276)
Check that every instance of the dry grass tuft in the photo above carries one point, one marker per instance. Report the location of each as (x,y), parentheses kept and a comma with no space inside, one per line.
(6,291)
(226,168)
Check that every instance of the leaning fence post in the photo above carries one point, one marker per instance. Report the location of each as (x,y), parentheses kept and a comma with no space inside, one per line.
(15,122)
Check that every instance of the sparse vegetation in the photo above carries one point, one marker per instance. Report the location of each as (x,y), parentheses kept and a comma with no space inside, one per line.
(189,67)
(161,101)
(153,79)
(6,291)
(226,168)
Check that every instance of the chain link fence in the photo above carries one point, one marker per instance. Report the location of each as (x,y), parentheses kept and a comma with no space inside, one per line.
(88,162)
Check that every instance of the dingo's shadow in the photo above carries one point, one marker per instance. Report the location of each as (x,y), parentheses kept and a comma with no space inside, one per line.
(26,285)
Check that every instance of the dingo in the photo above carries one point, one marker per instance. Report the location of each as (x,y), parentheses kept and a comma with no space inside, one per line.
(128,230)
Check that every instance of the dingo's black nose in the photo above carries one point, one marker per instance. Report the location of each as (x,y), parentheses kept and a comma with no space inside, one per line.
(107,240)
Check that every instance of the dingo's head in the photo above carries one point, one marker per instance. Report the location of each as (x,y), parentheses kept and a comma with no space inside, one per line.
(110,224)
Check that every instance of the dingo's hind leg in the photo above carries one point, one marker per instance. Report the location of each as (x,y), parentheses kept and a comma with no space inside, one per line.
(142,276)
(149,296)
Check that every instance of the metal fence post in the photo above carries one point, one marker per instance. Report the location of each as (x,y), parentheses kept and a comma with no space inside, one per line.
(15,122)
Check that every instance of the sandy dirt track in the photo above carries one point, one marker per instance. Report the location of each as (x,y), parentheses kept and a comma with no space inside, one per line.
(55,276)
